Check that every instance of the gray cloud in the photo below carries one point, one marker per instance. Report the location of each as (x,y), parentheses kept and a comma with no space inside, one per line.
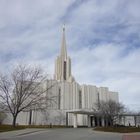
(103,40)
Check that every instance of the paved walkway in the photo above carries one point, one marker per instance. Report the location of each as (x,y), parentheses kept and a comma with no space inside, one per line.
(131,136)
(17,133)
(65,134)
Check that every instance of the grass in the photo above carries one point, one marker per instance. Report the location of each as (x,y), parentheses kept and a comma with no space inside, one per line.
(118,129)
(4,128)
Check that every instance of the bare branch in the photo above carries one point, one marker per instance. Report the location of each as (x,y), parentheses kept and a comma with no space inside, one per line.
(24,89)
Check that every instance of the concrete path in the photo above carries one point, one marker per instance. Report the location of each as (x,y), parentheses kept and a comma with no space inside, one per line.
(18,133)
(131,136)
(59,134)
(66,134)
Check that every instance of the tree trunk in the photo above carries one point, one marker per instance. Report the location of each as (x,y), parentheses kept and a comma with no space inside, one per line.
(111,121)
(14,120)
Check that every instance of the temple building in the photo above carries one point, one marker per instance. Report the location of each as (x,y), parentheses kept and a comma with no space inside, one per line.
(74,102)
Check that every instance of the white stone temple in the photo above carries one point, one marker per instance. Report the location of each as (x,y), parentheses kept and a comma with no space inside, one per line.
(72,99)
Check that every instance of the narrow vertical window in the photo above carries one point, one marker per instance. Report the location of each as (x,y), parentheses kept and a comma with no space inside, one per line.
(59,98)
(65,69)
(80,100)
(98,100)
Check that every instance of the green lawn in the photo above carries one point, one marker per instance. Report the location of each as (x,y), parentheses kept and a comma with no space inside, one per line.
(118,129)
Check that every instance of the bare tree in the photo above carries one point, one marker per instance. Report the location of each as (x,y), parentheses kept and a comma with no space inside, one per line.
(109,110)
(23,89)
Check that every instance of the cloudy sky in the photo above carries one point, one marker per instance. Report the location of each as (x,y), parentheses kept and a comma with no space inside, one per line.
(103,40)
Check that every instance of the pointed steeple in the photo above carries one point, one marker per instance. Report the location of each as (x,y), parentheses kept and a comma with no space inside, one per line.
(63,63)
(63,45)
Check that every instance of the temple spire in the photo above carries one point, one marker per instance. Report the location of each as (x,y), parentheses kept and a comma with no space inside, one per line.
(63,45)
(63,63)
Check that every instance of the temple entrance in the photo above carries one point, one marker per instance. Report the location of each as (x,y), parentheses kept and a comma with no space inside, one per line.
(91,121)
(97,121)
